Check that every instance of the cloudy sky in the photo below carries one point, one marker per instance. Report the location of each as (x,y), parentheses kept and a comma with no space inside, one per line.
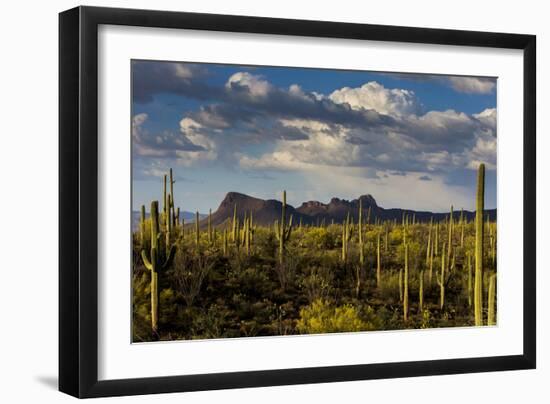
(412,141)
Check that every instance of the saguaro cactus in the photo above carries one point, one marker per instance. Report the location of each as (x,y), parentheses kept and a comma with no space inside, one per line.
(491,312)
(154,263)
(461,227)
(235,232)
(400,283)
(450,238)
(168,231)
(429,242)
(142,226)
(346,237)
(197,230)
(441,279)
(210,238)
(378,263)
(478,281)
(469,279)
(360,230)
(421,291)
(224,242)
(406,285)
(436,249)
(171,206)
(246,237)
(283,231)
(431,264)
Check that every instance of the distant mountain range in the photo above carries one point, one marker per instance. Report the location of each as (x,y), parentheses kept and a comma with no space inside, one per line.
(265,212)
(189,217)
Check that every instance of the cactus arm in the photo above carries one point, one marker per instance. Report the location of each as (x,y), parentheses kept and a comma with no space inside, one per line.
(170,257)
(146,260)
(277,229)
(289,229)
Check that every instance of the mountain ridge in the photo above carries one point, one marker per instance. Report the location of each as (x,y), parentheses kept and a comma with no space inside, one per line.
(266,211)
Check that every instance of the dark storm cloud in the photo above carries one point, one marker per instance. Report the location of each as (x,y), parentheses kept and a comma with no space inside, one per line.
(462,84)
(238,99)
(163,144)
(185,79)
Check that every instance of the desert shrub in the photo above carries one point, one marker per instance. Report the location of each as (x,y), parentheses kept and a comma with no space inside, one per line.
(167,307)
(389,285)
(322,317)
(316,283)
(210,322)
(189,273)
(318,238)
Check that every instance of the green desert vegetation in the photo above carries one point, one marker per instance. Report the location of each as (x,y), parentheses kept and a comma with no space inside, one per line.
(243,279)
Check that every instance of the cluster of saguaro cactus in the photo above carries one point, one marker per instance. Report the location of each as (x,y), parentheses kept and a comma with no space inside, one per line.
(440,246)
(347,230)
(283,230)
(154,262)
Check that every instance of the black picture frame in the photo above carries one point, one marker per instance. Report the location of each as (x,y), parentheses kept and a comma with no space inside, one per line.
(78,196)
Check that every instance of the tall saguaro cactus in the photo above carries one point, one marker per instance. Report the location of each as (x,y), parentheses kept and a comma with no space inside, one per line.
(462,228)
(450,238)
(441,279)
(469,279)
(360,230)
(421,291)
(172,203)
(283,231)
(235,228)
(168,231)
(197,230)
(210,234)
(429,242)
(154,263)
(478,279)
(346,237)
(491,312)
(378,263)
(406,285)
(142,226)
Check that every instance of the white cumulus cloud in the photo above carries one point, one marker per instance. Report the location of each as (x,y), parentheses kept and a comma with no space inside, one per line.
(373,95)
(472,85)
(254,85)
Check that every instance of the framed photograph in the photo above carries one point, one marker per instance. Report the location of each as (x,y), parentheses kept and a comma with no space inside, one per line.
(252,202)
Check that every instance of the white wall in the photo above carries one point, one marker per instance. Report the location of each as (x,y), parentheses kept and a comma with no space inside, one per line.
(28,172)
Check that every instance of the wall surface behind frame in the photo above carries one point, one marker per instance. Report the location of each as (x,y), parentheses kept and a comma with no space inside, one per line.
(28,169)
